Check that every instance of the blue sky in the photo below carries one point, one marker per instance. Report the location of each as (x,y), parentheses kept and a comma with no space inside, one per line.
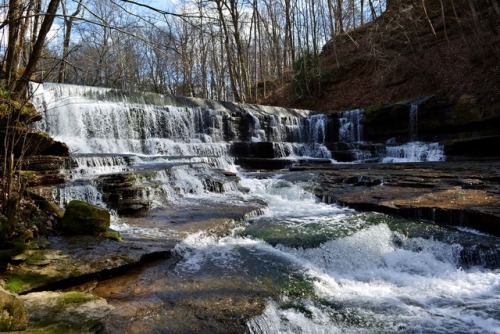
(168,5)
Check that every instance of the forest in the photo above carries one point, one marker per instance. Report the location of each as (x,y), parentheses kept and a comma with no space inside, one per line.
(238,50)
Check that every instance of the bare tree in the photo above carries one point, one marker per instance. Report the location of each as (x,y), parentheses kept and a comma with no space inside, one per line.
(68,25)
(19,86)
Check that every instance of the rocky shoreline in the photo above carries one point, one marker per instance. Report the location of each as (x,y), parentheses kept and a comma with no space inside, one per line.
(458,194)
(463,194)
(59,263)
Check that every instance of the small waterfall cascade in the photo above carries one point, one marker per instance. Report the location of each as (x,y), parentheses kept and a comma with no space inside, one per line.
(351,145)
(316,128)
(414,150)
(162,147)
(351,126)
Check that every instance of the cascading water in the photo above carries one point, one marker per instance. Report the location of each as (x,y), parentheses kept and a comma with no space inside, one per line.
(322,268)
(112,131)
(414,151)
(351,126)
(339,271)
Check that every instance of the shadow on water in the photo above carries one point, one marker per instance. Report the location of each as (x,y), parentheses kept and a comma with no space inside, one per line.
(154,298)
(158,297)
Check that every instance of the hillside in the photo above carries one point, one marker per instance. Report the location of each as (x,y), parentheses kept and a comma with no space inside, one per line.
(409,51)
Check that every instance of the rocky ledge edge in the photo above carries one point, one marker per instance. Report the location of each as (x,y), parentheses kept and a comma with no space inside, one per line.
(456,194)
(35,291)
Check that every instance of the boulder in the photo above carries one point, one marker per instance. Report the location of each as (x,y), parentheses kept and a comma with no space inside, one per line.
(122,194)
(75,311)
(13,315)
(82,218)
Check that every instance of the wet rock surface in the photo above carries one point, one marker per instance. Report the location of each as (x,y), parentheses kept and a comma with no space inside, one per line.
(68,312)
(463,194)
(13,315)
(135,276)
(155,299)
(59,261)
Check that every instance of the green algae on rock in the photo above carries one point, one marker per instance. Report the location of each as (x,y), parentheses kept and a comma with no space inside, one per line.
(77,312)
(13,315)
(82,218)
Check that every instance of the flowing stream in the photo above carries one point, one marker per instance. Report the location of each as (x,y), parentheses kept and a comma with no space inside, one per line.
(302,266)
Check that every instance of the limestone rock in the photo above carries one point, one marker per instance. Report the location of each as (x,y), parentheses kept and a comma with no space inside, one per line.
(121,193)
(80,312)
(13,315)
(85,219)
(37,142)
(455,193)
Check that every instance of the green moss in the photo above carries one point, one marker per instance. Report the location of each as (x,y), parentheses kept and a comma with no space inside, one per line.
(53,329)
(35,259)
(21,283)
(85,219)
(113,235)
(73,297)
(24,112)
(4,92)
(373,109)
(297,286)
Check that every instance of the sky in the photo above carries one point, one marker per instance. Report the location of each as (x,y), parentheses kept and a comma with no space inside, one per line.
(167,5)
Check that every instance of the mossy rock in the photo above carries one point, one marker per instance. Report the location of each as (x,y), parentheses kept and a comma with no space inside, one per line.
(38,142)
(77,311)
(82,218)
(13,315)
(112,235)
(24,113)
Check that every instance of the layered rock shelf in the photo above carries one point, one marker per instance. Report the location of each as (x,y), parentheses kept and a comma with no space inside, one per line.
(463,194)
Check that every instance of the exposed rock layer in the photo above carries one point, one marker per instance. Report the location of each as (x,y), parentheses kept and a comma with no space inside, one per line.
(463,194)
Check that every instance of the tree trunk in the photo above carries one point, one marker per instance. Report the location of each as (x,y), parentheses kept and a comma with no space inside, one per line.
(68,24)
(339,19)
(13,49)
(230,59)
(21,85)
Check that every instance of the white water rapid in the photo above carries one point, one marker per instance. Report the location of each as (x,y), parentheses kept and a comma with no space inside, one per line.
(345,272)
(328,269)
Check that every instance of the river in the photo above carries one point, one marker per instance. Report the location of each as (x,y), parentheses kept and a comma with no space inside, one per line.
(301,266)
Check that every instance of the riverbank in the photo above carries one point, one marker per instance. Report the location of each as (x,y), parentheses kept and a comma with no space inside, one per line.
(62,263)
(130,273)
(458,194)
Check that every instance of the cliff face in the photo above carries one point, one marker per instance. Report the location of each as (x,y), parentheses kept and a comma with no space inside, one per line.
(447,48)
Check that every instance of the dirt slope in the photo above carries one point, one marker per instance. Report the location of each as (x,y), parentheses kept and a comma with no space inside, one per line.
(410,51)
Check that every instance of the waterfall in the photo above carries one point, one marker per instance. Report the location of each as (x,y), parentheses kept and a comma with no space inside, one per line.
(351,126)
(117,132)
(413,122)
(414,152)
(316,128)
